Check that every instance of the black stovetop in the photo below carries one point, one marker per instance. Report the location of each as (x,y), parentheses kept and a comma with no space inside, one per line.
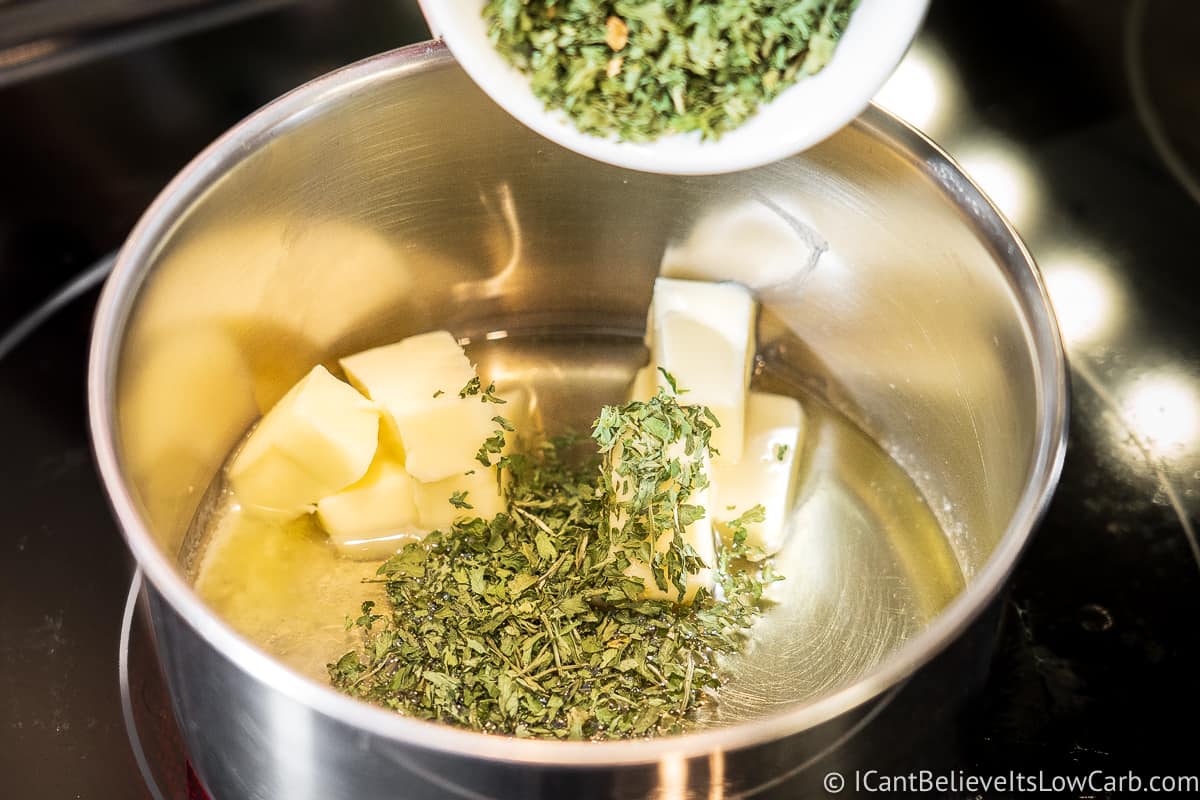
(1060,108)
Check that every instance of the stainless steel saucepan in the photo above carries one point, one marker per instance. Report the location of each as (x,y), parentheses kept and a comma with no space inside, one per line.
(392,197)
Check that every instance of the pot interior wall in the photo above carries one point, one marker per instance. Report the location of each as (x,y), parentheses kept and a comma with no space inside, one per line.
(413,203)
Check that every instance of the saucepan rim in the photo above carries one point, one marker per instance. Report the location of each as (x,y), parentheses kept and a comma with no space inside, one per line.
(155,226)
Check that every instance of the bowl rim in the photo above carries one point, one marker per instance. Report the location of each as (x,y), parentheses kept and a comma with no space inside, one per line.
(134,264)
(879,34)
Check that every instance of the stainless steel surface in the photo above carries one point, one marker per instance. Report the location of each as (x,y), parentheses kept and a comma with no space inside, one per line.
(150,734)
(366,206)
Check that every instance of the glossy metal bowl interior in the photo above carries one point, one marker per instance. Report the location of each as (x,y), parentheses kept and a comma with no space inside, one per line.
(392,197)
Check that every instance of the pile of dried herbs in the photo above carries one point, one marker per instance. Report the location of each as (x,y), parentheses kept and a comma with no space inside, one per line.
(638,69)
(526,624)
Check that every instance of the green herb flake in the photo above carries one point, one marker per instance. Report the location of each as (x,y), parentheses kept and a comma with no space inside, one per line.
(489,395)
(459,500)
(640,69)
(471,389)
(527,625)
(781,451)
(670,379)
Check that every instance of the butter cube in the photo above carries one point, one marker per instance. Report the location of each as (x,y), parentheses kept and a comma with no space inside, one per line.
(645,380)
(645,384)
(416,382)
(704,336)
(766,475)
(376,516)
(699,535)
(319,438)
(435,510)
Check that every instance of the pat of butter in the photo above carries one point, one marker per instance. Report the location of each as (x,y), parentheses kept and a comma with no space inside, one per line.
(376,516)
(766,475)
(435,510)
(645,384)
(417,381)
(645,381)
(704,336)
(319,438)
(699,535)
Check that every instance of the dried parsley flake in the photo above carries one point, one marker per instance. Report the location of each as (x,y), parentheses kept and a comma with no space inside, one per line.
(526,624)
(639,69)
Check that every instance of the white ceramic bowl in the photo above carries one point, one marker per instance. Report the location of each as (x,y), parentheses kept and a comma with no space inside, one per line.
(878,36)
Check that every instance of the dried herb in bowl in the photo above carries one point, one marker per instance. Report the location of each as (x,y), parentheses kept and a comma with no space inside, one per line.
(640,69)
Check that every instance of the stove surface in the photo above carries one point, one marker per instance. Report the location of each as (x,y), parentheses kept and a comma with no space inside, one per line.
(1097,648)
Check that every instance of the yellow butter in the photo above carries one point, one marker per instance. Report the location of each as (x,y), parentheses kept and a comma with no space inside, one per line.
(376,516)
(435,510)
(417,382)
(766,474)
(699,535)
(704,336)
(319,438)
(645,384)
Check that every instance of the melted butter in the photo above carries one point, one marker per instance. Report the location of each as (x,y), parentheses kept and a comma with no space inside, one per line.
(283,587)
